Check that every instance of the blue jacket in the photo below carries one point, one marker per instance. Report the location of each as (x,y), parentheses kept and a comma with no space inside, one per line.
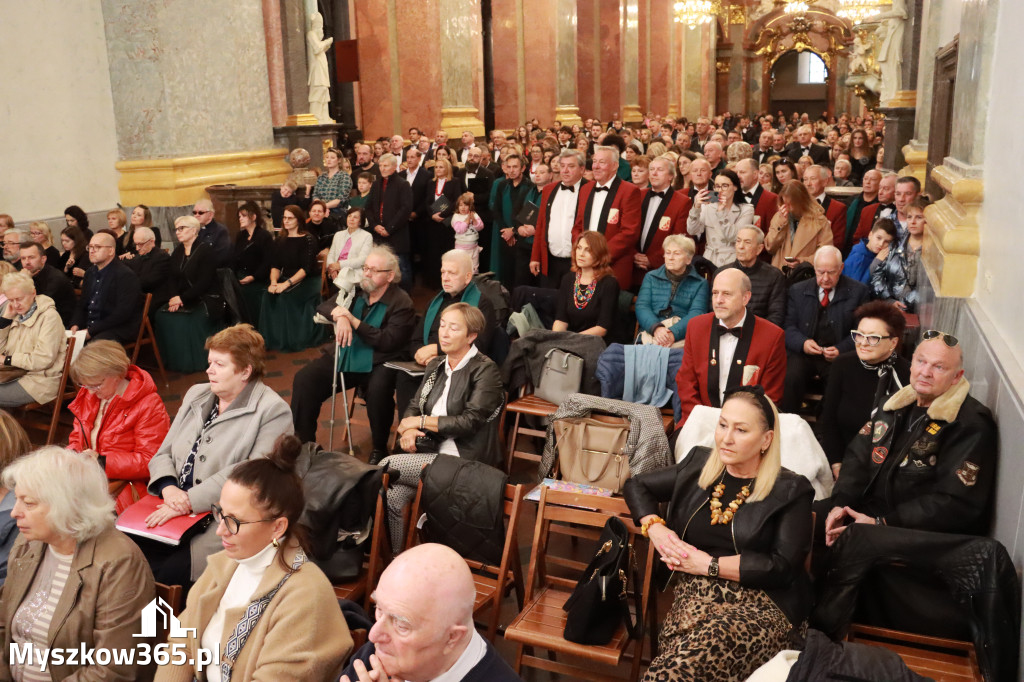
(693,297)
(858,263)
(803,307)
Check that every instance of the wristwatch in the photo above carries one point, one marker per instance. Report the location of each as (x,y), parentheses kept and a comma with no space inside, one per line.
(713,567)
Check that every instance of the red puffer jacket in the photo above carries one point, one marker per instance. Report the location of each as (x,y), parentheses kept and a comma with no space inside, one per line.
(134,426)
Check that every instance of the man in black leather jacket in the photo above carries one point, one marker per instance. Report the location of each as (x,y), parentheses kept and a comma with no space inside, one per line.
(927,457)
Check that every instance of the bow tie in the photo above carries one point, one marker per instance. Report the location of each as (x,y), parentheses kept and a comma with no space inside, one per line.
(600,189)
(657,194)
(805,149)
(749,195)
(568,188)
(735,331)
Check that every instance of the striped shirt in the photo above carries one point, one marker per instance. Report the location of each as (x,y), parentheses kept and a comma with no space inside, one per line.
(31,624)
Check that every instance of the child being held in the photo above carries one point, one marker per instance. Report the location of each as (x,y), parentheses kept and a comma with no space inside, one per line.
(871,251)
(467,226)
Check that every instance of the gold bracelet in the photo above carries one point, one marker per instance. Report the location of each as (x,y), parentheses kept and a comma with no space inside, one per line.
(646,526)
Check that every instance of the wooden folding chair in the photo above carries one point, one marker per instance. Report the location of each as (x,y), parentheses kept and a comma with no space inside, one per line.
(146,337)
(492,582)
(325,284)
(49,424)
(542,621)
(360,587)
(526,404)
(943,660)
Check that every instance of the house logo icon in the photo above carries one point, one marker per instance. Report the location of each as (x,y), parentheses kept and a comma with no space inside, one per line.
(157,616)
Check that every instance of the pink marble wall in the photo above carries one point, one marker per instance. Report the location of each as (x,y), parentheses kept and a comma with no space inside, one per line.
(506,66)
(660,57)
(540,59)
(643,67)
(375,96)
(419,65)
(611,61)
(275,61)
(586,52)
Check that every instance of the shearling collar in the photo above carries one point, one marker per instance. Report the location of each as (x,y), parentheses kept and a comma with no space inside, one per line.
(944,408)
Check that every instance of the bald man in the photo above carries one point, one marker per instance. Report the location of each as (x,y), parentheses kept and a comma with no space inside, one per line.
(212,232)
(426,634)
(730,347)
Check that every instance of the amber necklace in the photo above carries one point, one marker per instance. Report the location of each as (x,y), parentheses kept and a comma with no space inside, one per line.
(718,516)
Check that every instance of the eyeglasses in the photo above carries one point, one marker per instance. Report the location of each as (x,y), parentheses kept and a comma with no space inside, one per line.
(201,212)
(179,228)
(719,188)
(91,389)
(867,339)
(373,271)
(231,524)
(947,339)
(97,247)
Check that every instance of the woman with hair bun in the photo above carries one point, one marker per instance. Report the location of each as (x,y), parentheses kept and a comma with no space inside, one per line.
(261,597)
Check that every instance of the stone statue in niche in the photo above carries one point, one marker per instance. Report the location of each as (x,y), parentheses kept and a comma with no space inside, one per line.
(890,51)
(319,75)
(860,56)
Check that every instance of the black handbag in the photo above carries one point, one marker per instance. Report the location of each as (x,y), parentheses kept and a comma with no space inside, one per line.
(600,601)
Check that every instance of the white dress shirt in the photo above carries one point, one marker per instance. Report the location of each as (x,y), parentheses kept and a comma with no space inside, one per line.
(652,208)
(440,409)
(471,655)
(727,344)
(560,220)
(598,205)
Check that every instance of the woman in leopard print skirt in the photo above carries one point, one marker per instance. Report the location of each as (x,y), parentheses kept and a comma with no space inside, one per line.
(736,533)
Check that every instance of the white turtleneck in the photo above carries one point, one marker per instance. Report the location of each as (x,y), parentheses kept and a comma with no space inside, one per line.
(239,593)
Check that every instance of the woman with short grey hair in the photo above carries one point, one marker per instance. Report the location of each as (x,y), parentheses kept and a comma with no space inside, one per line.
(32,344)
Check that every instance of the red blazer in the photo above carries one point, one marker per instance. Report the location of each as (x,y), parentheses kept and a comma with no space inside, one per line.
(620,223)
(835,211)
(540,237)
(867,219)
(766,205)
(670,218)
(766,350)
(134,426)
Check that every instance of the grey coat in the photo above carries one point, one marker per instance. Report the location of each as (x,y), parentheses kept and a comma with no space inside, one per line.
(246,429)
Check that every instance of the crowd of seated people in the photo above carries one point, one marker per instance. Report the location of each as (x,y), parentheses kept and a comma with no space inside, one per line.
(675,229)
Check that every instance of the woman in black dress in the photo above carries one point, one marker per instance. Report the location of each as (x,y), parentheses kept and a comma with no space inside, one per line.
(251,260)
(75,259)
(195,308)
(589,294)
(286,318)
(862,378)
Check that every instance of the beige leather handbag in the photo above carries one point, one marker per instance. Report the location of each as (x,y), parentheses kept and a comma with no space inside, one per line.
(591,451)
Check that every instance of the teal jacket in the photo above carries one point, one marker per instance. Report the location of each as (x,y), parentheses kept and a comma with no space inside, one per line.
(693,297)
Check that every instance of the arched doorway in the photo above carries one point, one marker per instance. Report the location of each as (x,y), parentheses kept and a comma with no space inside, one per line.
(799,83)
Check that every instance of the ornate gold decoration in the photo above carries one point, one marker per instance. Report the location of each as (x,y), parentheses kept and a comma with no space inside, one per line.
(722,66)
(802,33)
(953,239)
(737,15)
(870,97)
(795,7)
(695,13)
(302,120)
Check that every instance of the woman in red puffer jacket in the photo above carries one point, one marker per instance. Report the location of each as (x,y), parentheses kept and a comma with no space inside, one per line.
(119,418)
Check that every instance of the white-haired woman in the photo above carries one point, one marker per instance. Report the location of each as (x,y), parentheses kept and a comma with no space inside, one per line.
(32,340)
(737,535)
(73,579)
(672,295)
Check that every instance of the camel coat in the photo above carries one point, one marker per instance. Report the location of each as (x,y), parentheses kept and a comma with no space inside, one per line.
(300,636)
(101,606)
(37,345)
(812,232)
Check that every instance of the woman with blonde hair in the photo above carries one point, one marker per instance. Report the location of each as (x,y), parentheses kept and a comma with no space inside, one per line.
(40,233)
(33,342)
(117,223)
(798,229)
(736,536)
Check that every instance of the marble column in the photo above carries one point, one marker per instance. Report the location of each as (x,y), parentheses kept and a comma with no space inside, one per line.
(379,95)
(460,38)
(588,63)
(608,84)
(566,108)
(191,99)
(272,29)
(509,82)
(660,85)
(292,22)
(630,53)
(692,71)
(675,74)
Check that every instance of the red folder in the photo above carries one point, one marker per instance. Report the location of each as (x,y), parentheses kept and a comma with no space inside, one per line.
(133,520)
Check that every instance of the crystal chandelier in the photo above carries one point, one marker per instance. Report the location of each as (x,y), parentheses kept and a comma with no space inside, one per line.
(796,7)
(693,13)
(860,10)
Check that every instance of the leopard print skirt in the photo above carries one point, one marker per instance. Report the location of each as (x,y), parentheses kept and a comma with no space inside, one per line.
(717,631)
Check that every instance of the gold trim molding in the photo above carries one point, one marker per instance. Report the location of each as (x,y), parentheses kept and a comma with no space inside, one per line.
(302,120)
(951,250)
(455,120)
(631,114)
(903,98)
(183,180)
(568,115)
(917,163)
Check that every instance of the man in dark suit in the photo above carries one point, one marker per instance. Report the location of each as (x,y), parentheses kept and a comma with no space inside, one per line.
(551,258)
(468,142)
(111,303)
(764,150)
(815,180)
(765,203)
(804,145)
(883,208)
(663,212)
(508,197)
(212,232)
(49,280)
(477,178)
(819,316)
(611,206)
(703,135)
(868,197)
(419,179)
(388,209)
(151,265)
(767,283)
(729,347)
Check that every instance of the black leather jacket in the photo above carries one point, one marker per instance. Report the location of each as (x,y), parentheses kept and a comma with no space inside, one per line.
(773,536)
(475,397)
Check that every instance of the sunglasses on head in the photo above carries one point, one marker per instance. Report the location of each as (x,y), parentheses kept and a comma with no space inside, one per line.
(947,339)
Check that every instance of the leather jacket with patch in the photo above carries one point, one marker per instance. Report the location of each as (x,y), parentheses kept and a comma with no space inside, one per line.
(942,477)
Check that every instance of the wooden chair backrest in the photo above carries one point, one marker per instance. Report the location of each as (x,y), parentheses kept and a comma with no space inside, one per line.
(142,326)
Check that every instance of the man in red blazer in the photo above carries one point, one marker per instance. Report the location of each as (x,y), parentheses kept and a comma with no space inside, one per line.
(611,206)
(728,347)
(815,180)
(765,203)
(551,258)
(662,212)
(885,206)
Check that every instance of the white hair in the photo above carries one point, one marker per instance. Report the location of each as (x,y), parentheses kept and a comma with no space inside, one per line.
(459,256)
(389,159)
(72,484)
(828,250)
(21,281)
(614,151)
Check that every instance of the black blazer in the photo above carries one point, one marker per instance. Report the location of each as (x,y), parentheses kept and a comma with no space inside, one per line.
(817,152)
(51,282)
(152,269)
(452,190)
(120,302)
(803,309)
(480,199)
(195,277)
(397,203)
(773,536)
(252,256)
(424,176)
(474,399)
